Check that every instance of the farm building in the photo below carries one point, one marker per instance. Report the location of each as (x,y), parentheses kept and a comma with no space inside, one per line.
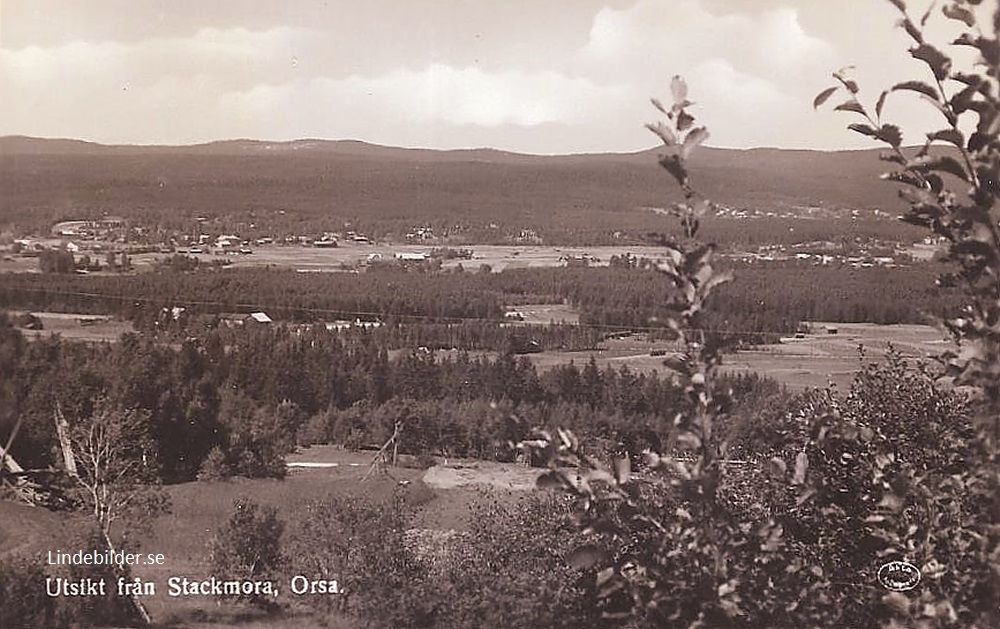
(341,324)
(233,320)
(406,256)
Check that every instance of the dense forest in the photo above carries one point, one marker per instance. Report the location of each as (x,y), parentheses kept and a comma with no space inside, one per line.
(441,308)
(254,397)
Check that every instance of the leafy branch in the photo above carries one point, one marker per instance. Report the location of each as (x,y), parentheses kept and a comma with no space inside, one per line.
(664,539)
(968,155)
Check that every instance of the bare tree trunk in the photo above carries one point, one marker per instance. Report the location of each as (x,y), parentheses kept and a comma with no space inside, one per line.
(136,602)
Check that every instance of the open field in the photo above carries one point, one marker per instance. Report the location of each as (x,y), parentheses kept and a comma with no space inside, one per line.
(812,361)
(821,358)
(79,327)
(349,255)
(18,264)
(544,314)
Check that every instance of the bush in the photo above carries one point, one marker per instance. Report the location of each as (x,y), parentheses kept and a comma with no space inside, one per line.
(248,547)
(23,601)
(511,570)
(362,545)
(215,467)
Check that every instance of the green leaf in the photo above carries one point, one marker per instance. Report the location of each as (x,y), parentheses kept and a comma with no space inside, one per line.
(916,86)
(841,75)
(963,100)
(937,61)
(892,157)
(948,114)
(684,121)
(955,12)
(673,165)
(694,139)
(656,103)
(948,164)
(978,141)
(677,108)
(678,88)
(716,280)
(968,79)
(823,96)
(952,136)
(880,103)
(851,105)
(666,133)
(890,134)
(899,4)
(863,129)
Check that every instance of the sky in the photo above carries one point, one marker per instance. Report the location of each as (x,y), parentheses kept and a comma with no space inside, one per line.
(532,76)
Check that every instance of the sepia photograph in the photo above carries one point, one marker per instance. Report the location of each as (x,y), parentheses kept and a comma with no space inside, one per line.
(534,314)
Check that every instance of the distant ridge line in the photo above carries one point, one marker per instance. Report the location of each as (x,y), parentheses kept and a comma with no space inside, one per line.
(23,144)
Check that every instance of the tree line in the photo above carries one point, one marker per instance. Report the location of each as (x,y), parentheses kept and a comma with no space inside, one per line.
(767,300)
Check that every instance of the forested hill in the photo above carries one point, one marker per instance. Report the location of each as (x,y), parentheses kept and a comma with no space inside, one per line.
(324,183)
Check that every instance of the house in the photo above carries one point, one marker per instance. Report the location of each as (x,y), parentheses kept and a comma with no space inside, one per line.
(342,324)
(337,326)
(235,320)
(225,242)
(405,256)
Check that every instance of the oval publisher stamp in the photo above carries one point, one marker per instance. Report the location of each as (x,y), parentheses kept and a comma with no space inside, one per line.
(899,576)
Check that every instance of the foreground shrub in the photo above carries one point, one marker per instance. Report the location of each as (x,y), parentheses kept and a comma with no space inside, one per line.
(511,569)
(248,547)
(361,544)
(23,602)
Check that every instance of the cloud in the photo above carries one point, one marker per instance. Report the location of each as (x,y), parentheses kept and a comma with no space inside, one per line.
(553,76)
(272,83)
(423,105)
(657,36)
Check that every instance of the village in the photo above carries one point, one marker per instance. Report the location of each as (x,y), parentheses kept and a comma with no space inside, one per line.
(128,245)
